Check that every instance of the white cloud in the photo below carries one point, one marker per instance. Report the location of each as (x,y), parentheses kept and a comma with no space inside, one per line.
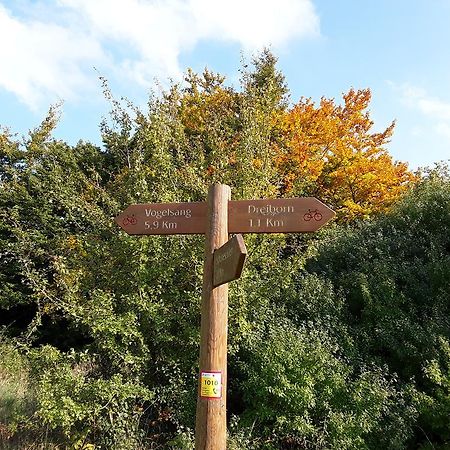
(158,32)
(443,129)
(255,23)
(39,59)
(53,53)
(434,108)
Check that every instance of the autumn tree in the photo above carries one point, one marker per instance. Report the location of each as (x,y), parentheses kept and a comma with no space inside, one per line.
(229,131)
(331,151)
(327,150)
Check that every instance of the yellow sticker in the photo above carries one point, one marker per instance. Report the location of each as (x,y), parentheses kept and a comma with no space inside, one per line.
(211,384)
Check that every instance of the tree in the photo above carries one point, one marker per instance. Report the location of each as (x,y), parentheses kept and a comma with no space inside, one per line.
(329,151)
(393,273)
(104,309)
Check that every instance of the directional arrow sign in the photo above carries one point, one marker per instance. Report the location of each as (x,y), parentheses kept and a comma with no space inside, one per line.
(164,218)
(229,261)
(282,215)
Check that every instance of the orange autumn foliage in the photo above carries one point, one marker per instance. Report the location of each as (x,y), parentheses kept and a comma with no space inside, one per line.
(329,151)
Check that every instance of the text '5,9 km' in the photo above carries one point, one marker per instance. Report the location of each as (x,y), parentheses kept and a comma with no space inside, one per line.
(289,215)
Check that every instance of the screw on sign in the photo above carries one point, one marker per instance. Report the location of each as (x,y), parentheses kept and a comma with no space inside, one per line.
(223,262)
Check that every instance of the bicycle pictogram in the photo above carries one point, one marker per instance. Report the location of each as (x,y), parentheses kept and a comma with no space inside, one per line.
(312,214)
(129,220)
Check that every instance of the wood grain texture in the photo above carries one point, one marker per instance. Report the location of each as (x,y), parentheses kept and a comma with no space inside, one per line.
(210,431)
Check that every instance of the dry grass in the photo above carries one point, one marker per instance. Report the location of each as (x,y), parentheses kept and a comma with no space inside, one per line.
(16,399)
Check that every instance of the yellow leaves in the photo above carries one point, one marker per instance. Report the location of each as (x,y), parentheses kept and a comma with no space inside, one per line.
(71,242)
(49,308)
(350,211)
(5,142)
(257,163)
(200,109)
(232,159)
(90,192)
(329,149)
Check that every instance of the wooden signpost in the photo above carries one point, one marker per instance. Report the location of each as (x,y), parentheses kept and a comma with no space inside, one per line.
(223,262)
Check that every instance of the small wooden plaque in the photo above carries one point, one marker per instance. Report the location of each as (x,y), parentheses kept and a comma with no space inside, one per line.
(229,261)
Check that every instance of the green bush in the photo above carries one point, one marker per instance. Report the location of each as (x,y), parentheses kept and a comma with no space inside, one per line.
(84,407)
(393,274)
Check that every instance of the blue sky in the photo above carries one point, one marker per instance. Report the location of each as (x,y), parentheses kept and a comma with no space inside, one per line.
(55,49)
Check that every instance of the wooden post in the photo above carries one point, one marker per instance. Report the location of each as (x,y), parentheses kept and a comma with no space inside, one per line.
(211,427)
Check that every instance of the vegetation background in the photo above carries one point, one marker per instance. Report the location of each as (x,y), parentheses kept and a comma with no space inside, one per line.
(337,340)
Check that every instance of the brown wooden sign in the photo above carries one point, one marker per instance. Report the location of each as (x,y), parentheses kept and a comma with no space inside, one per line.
(229,261)
(164,218)
(282,215)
